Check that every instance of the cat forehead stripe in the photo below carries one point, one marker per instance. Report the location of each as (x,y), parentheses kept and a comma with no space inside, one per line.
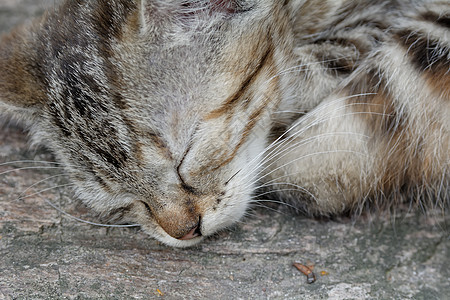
(245,85)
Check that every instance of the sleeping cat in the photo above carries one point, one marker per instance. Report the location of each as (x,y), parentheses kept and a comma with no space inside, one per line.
(178,115)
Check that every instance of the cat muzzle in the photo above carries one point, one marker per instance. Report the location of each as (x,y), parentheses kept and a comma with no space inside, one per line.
(182,229)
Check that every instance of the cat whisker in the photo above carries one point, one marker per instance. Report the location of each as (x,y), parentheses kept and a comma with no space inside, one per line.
(30,162)
(310,155)
(291,112)
(301,67)
(37,183)
(274,202)
(307,111)
(262,205)
(303,70)
(304,142)
(292,147)
(29,168)
(234,175)
(271,183)
(45,190)
(275,145)
(313,114)
(85,221)
(250,212)
(280,140)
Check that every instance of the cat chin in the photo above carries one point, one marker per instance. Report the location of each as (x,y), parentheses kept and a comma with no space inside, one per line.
(172,242)
(160,235)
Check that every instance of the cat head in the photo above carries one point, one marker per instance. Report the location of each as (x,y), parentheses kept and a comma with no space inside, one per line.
(160,110)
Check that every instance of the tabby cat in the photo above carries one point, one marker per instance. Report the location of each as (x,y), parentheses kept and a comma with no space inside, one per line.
(177,115)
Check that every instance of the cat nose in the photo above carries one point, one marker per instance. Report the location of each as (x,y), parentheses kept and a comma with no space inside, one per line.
(182,228)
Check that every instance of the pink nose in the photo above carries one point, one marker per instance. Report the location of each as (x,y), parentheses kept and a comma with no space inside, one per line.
(181,225)
(191,234)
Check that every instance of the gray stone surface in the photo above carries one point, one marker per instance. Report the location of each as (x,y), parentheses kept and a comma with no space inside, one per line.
(46,255)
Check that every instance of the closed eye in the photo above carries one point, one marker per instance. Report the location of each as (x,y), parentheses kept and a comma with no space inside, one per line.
(147,207)
(184,185)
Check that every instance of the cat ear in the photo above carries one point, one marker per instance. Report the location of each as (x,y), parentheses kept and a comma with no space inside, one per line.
(21,93)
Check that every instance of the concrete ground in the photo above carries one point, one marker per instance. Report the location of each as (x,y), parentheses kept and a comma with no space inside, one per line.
(46,255)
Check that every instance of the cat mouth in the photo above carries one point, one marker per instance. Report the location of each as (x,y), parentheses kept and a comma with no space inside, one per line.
(195,232)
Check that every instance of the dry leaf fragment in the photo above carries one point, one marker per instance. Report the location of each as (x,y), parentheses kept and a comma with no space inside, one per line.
(310,276)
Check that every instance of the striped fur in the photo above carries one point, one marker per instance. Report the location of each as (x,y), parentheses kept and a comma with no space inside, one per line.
(382,134)
(179,114)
